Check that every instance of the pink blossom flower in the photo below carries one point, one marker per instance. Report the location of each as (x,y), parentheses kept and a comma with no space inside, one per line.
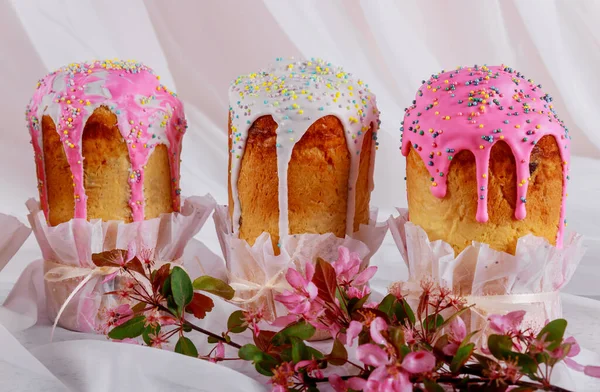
(282,375)
(340,385)
(375,329)
(592,371)
(305,292)
(354,292)
(575,348)
(157,340)
(219,353)
(418,362)
(311,366)
(396,290)
(146,256)
(253,317)
(508,323)
(156,317)
(390,375)
(409,335)
(347,268)
(458,331)
(352,332)
(119,315)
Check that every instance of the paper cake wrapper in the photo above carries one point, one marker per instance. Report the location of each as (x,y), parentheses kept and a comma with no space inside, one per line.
(13,234)
(494,282)
(73,243)
(258,275)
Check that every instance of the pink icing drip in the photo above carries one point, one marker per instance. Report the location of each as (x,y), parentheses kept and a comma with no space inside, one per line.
(504,106)
(140,102)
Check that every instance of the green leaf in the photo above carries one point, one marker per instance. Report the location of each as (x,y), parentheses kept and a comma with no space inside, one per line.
(553,333)
(433,322)
(354,304)
(300,329)
(461,357)
(250,352)
(236,322)
(342,300)
(186,347)
(500,346)
(431,386)
(526,364)
(212,340)
(214,286)
(152,329)
(387,305)
(299,350)
(396,336)
(130,329)
(405,313)
(314,353)
(265,366)
(338,355)
(181,287)
(263,362)
(165,290)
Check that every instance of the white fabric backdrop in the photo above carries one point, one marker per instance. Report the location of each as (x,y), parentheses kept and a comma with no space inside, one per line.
(198,47)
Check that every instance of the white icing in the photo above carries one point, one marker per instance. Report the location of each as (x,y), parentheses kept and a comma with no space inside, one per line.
(296,94)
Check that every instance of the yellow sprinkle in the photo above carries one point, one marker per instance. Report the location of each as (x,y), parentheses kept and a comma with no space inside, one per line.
(434,90)
(436,113)
(68,101)
(430,130)
(480,125)
(484,175)
(300,111)
(434,183)
(517,126)
(538,126)
(501,137)
(428,87)
(481,147)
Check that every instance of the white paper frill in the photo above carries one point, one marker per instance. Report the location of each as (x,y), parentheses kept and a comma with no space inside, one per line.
(493,282)
(71,277)
(258,275)
(13,234)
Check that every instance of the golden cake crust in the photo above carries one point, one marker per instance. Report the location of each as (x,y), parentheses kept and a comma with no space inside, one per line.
(453,217)
(318,176)
(106,173)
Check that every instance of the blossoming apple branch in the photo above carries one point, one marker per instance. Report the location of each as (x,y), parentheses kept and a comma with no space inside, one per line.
(396,347)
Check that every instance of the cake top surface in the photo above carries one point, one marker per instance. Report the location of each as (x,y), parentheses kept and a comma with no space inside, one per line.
(472,108)
(482,105)
(303,90)
(147,114)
